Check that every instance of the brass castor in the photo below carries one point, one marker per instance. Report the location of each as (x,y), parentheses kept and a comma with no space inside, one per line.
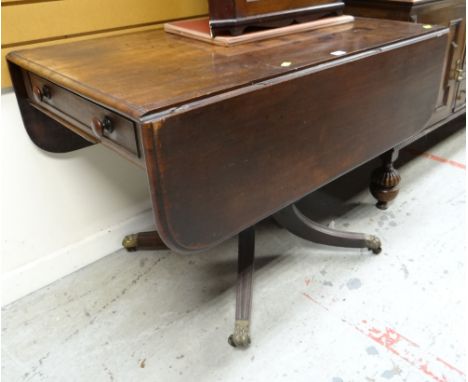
(129,242)
(237,343)
(143,241)
(374,244)
(240,338)
(376,251)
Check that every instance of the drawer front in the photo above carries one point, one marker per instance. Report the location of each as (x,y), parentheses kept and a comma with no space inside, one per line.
(109,127)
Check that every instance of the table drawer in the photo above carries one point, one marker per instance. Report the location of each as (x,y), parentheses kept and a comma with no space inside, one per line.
(108,126)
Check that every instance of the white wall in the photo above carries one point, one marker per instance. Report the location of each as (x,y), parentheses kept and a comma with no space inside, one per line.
(60,212)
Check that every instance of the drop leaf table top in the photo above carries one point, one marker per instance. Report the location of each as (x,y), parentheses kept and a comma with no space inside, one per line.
(229,136)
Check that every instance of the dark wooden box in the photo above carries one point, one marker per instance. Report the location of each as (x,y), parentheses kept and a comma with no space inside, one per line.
(234,16)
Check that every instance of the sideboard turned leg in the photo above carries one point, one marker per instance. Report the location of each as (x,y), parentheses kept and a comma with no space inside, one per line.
(246,256)
(300,225)
(385,180)
(143,241)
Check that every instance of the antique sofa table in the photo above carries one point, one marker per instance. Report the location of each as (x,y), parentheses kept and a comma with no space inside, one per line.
(230,136)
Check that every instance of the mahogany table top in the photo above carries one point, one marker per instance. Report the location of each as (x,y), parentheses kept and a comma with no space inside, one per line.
(229,136)
(143,73)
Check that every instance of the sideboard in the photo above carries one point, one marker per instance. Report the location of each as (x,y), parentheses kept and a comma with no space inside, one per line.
(452,92)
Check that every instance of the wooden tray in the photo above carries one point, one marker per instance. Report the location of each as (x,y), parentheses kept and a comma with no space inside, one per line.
(199,29)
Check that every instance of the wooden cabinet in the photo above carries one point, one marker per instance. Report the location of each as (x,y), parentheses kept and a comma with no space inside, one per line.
(233,16)
(460,99)
(452,90)
(451,100)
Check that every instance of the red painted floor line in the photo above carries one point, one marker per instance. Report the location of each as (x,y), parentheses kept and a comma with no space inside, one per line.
(431,366)
(434,157)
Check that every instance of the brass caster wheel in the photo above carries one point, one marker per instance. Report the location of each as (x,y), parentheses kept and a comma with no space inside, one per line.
(239,342)
(129,242)
(376,251)
(374,244)
(240,338)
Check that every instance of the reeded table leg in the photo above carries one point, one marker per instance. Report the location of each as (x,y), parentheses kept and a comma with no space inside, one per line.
(143,240)
(246,257)
(290,218)
(385,180)
(300,225)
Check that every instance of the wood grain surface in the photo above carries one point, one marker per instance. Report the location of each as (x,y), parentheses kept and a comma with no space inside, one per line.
(232,135)
(222,166)
(140,74)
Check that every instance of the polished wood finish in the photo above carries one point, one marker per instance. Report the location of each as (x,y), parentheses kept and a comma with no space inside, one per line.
(385,180)
(249,151)
(229,136)
(47,133)
(451,99)
(291,219)
(234,16)
(450,13)
(104,124)
(244,291)
(140,74)
(297,223)
(300,225)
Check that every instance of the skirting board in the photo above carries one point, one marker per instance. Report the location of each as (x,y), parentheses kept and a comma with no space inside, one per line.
(42,272)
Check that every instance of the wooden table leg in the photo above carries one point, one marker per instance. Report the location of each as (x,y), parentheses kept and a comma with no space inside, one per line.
(300,225)
(143,241)
(290,218)
(246,257)
(385,180)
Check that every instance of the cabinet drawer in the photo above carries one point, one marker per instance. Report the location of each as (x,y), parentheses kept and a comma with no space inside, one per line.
(106,125)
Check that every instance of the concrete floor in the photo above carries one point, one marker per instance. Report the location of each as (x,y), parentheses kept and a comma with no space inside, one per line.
(320,313)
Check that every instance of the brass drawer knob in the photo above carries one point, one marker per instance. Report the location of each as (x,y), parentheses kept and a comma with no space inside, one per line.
(102,126)
(42,93)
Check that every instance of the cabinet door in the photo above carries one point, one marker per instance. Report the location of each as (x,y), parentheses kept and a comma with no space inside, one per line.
(460,100)
(440,12)
(450,13)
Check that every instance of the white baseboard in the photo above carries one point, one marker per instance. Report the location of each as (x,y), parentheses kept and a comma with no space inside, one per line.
(44,271)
